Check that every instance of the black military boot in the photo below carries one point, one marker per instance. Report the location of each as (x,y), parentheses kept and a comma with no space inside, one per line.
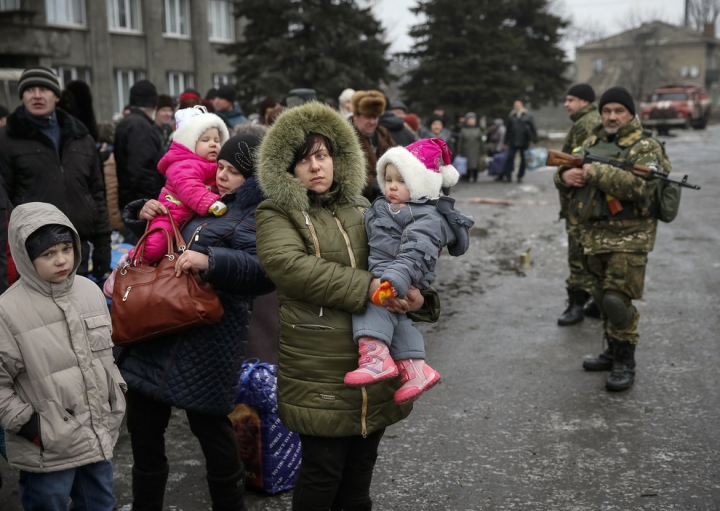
(604,361)
(228,493)
(623,370)
(574,312)
(148,489)
(591,309)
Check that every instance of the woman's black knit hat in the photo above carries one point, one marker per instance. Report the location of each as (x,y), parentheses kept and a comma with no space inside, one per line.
(240,152)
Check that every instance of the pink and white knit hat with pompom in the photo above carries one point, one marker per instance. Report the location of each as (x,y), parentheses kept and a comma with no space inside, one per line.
(425,166)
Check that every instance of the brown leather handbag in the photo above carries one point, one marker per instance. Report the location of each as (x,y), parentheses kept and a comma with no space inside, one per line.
(150,301)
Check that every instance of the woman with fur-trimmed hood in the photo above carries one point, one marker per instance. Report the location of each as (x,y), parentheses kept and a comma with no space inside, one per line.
(312,244)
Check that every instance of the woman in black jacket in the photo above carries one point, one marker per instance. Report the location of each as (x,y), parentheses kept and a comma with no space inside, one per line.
(198,369)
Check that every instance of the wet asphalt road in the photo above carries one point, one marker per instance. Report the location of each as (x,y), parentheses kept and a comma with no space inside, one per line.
(516,424)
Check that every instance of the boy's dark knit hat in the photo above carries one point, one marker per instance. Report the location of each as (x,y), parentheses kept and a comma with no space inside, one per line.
(143,94)
(46,237)
(240,152)
(582,91)
(39,76)
(617,95)
(227,92)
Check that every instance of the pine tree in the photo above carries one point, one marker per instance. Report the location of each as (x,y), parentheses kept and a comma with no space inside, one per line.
(482,55)
(326,45)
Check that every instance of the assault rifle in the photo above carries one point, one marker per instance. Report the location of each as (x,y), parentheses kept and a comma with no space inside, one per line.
(556,159)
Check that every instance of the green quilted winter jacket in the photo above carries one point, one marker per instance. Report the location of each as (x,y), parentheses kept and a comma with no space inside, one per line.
(314,248)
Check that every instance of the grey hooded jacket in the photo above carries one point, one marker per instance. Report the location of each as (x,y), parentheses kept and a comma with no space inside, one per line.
(405,242)
(56,360)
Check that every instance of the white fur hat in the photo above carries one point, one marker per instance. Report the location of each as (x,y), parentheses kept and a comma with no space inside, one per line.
(425,166)
(190,123)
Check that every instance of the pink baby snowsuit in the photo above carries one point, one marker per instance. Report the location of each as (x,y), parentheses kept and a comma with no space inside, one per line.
(190,187)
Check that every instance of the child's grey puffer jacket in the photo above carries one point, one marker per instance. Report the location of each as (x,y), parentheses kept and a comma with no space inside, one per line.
(405,242)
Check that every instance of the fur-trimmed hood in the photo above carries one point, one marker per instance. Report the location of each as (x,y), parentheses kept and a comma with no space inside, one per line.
(288,134)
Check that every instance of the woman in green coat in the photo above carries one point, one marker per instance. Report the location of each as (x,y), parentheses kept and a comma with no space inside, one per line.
(312,243)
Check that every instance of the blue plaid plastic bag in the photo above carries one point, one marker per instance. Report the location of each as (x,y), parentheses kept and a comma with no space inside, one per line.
(271,454)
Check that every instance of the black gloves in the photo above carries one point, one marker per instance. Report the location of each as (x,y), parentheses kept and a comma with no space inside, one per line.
(31,430)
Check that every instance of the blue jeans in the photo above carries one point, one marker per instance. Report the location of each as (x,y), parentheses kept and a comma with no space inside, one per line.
(510,162)
(90,487)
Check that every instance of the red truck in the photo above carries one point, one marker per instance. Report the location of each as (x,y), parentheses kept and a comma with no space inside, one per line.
(676,105)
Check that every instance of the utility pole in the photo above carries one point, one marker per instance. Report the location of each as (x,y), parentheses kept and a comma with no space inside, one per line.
(687,13)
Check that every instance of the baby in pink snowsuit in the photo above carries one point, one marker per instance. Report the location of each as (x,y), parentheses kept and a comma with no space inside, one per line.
(190,166)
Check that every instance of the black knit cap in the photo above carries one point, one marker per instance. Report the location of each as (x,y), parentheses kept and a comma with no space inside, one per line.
(227,92)
(39,77)
(240,152)
(617,95)
(45,237)
(582,91)
(143,94)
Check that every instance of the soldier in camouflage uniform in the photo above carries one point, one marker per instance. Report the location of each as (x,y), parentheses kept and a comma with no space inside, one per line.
(580,104)
(617,210)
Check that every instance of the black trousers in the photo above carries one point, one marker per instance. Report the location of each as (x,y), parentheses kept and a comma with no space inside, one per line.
(147,421)
(336,473)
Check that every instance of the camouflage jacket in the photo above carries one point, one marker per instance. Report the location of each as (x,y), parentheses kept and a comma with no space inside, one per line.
(634,230)
(584,121)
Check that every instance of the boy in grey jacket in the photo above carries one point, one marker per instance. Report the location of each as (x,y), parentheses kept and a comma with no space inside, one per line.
(407,228)
(61,394)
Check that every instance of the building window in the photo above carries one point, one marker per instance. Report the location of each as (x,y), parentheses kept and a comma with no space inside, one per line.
(69,74)
(221,21)
(65,12)
(597,66)
(9,5)
(124,15)
(124,79)
(177,17)
(220,79)
(178,82)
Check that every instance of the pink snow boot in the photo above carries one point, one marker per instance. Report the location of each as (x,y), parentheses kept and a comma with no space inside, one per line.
(417,377)
(375,363)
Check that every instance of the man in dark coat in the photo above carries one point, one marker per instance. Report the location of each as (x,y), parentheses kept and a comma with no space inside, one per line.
(50,157)
(520,132)
(138,147)
(396,124)
(368,106)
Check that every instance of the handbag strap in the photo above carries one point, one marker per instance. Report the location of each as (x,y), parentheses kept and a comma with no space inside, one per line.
(139,250)
(179,241)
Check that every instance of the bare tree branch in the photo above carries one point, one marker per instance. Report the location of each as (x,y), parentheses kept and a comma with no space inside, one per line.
(703,11)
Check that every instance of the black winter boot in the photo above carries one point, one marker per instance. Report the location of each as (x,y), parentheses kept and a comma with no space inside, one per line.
(623,370)
(591,309)
(228,493)
(148,489)
(604,361)
(574,312)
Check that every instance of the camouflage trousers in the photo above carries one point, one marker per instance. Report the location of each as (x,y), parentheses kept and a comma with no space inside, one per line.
(623,272)
(580,278)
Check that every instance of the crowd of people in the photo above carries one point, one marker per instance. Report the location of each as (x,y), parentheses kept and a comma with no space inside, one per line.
(338,212)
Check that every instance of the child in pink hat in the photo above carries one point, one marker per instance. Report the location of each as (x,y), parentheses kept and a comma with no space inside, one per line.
(407,228)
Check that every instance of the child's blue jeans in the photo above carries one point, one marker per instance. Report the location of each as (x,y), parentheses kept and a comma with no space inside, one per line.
(90,487)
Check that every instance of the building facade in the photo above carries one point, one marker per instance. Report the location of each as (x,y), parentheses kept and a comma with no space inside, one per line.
(111,44)
(648,56)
